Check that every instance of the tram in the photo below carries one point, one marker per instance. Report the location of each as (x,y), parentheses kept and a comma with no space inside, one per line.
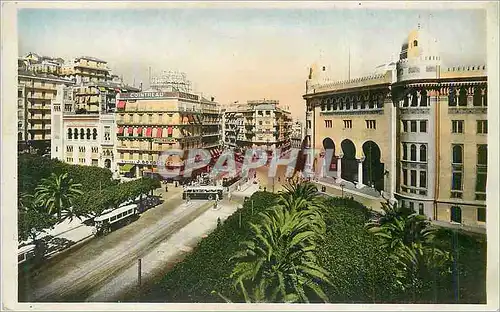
(203,192)
(25,253)
(109,221)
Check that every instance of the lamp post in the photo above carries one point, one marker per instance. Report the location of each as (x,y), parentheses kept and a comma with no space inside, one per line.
(342,188)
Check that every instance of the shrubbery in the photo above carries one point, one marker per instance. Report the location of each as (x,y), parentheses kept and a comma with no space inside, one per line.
(360,271)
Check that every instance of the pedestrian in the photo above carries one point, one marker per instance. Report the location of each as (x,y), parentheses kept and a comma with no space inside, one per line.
(166,188)
(229,196)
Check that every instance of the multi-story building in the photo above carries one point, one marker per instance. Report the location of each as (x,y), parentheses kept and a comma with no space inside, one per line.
(35,63)
(36,92)
(263,124)
(232,123)
(297,135)
(414,130)
(86,69)
(155,121)
(85,134)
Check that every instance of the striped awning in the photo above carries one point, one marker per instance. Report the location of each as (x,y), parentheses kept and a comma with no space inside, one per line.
(169,130)
(159,132)
(120,130)
(130,130)
(148,132)
(139,131)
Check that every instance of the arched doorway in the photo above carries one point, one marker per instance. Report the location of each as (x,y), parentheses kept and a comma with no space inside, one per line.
(349,165)
(373,169)
(329,148)
(456,214)
(107,163)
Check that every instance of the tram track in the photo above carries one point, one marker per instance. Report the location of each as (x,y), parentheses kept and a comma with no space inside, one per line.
(78,284)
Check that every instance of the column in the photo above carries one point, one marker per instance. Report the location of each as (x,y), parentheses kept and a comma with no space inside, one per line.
(339,169)
(470,93)
(360,174)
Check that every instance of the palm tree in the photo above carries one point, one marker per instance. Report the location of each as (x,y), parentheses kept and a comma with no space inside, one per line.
(57,194)
(279,263)
(409,240)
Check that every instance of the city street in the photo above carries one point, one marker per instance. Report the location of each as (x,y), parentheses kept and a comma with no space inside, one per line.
(103,268)
(80,271)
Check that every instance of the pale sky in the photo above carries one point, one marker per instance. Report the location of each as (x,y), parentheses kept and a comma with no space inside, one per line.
(245,54)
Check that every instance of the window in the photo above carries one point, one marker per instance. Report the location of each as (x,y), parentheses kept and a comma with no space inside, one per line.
(462,97)
(423,153)
(412,206)
(423,179)
(482,126)
(95,149)
(456,214)
(82,134)
(481,171)
(457,154)
(69,149)
(70,134)
(423,126)
(405,177)
(347,123)
(413,126)
(107,133)
(477,98)
(69,159)
(371,124)
(88,134)
(81,149)
(413,152)
(95,162)
(421,209)
(260,123)
(457,126)
(405,125)
(81,160)
(94,134)
(413,178)
(415,43)
(405,151)
(452,98)
(308,123)
(456,182)
(482,154)
(481,214)
(328,123)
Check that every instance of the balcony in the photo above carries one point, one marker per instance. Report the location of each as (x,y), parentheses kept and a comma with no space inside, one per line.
(39,107)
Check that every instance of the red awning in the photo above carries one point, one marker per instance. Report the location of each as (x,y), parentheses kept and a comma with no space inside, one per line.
(130,130)
(139,131)
(159,132)
(120,130)
(149,131)
(169,130)
(121,105)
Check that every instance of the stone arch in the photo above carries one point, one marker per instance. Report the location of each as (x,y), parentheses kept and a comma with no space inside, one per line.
(349,163)
(330,158)
(373,168)
(88,133)
(107,163)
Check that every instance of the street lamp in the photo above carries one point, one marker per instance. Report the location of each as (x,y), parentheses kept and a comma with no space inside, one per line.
(342,188)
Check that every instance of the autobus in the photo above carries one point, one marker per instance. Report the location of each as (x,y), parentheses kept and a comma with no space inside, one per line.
(109,221)
(25,253)
(203,192)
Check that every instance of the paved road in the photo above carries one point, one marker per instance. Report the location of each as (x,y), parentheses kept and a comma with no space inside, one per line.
(75,276)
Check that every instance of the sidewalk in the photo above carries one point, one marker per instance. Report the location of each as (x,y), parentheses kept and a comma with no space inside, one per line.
(155,261)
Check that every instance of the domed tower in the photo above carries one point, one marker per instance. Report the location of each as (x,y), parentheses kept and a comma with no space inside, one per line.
(419,57)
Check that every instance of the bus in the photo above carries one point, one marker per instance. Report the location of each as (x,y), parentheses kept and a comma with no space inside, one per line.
(25,253)
(109,221)
(203,192)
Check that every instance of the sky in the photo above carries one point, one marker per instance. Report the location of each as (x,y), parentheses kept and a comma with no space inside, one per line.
(247,54)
